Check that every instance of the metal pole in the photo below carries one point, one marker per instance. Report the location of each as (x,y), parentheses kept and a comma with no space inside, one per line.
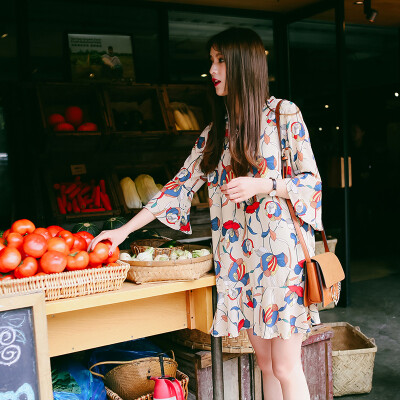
(216,357)
(341,57)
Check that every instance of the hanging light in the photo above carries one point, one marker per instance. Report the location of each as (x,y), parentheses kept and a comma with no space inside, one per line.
(396,94)
(203,75)
(4,35)
(369,12)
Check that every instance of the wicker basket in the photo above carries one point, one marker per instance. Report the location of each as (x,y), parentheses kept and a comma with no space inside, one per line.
(353,356)
(173,270)
(141,245)
(182,378)
(70,283)
(196,339)
(130,378)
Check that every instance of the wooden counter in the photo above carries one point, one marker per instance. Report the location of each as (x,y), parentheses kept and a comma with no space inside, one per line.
(133,312)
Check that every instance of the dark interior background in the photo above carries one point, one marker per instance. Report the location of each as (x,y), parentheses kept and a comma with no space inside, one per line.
(169,47)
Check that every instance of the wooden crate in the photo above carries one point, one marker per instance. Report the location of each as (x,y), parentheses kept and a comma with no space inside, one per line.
(135,111)
(56,97)
(64,175)
(316,357)
(239,373)
(159,172)
(195,97)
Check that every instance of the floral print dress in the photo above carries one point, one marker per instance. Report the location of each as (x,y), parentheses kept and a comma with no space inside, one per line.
(258,258)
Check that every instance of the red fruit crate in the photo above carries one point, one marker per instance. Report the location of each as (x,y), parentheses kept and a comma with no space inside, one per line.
(72,112)
(86,197)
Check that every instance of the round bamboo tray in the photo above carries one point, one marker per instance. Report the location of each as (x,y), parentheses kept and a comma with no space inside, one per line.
(141,245)
(171,270)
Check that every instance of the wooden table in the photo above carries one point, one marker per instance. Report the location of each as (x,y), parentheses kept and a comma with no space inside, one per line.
(133,312)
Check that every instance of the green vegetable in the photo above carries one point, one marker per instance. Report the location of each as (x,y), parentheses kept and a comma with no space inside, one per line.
(87,227)
(170,243)
(114,223)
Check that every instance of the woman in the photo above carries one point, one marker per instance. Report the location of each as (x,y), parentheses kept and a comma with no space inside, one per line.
(257,256)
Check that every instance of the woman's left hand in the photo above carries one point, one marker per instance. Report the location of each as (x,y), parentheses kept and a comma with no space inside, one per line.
(245,187)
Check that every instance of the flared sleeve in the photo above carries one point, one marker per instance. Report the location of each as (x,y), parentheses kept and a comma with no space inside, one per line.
(171,205)
(304,186)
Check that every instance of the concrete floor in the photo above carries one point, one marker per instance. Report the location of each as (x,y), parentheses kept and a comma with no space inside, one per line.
(375,290)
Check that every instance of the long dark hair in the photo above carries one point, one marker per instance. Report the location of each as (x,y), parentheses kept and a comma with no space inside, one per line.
(247,84)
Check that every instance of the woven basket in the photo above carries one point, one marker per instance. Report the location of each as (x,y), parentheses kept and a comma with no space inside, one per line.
(138,246)
(196,339)
(70,283)
(353,356)
(182,378)
(172,270)
(130,378)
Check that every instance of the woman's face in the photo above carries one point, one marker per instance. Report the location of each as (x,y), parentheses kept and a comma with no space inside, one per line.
(218,72)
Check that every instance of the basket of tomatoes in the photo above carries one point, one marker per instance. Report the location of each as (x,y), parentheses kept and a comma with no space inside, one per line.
(56,261)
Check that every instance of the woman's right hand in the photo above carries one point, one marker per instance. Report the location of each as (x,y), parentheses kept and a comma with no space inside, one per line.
(115,236)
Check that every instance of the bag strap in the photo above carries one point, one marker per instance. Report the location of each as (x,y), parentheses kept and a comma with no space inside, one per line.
(289,203)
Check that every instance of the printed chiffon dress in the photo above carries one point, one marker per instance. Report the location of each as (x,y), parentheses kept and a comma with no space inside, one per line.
(258,258)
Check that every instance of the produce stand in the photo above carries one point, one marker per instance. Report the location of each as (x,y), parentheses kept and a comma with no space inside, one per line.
(132,312)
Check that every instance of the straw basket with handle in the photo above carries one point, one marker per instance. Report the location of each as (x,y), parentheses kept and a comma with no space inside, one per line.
(176,270)
(129,379)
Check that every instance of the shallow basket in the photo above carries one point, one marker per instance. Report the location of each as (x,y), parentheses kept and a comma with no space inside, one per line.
(196,339)
(138,246)
(182,378)
(353,356)
(71,283)
(172,270)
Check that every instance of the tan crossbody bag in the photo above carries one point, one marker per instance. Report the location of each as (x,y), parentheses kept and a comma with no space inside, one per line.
(323,273)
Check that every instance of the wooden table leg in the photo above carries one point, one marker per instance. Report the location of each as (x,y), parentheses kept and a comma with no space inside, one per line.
(216,355)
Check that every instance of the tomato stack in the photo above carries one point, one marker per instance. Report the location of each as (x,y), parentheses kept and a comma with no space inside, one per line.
(29,251)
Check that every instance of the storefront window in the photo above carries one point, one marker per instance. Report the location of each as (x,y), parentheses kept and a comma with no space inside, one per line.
(188,35)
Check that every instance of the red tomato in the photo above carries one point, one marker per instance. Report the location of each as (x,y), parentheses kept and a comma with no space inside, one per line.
(79,243)
(77,260)
(6,233)
(15,239)
(55,119)
(2,246)
(28,267)
(44,232)
(58,244)
(7,277)
(63,127)
(99,254)
(53,262)
(114,256)
(86,235)
(10,258)
(40,274)
(23,226)
(68,237)
(54,229)
(74,115)
(2,241)
(88,126)
(35,245)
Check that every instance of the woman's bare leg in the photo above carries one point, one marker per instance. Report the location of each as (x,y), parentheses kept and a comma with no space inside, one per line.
(287,368)
(271,385)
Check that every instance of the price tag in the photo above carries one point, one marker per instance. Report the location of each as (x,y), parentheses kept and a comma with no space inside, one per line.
(78,169)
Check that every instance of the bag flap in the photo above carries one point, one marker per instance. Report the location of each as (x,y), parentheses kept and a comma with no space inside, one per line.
(331,268)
